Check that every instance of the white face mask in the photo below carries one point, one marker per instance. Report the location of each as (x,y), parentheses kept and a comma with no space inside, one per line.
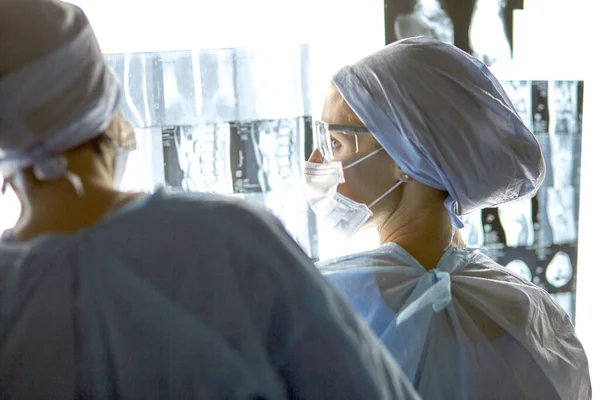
(342,215)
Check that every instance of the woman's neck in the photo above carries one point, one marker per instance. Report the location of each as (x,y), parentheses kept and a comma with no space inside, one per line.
(425,233)
(57,208)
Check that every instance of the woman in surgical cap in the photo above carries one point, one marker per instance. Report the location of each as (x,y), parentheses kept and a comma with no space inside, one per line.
(111,295)
(413,138)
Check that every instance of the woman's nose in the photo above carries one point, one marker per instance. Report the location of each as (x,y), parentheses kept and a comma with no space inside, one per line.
(316,157)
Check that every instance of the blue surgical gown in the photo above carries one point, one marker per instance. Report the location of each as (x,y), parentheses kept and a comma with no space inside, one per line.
(468,329)
(181,297)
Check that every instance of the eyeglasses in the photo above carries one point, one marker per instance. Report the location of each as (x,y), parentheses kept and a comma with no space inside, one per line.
(332,148)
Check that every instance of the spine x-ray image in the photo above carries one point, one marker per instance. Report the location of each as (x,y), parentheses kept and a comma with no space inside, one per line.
(197,158)
(267,155)
(520,93)
(561,204)
(260,161)
(564,140)
(537,239)
(227,121)
(236,157)
(559,271)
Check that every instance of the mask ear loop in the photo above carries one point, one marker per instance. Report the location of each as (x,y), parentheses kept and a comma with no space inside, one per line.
(405,178)
(371,154)
(390,190)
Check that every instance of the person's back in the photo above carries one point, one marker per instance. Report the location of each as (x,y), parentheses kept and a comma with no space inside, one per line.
(105,294)
(467,329)
(120,312)
(177,296)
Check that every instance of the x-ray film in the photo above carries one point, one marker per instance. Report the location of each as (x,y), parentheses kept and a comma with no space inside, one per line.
(480,27)
(559,271)
(520,268)
(487,32)
(517,221)
(418,18)
(260,161)
(473,233)
(520,93)
(267,155)
(537,239)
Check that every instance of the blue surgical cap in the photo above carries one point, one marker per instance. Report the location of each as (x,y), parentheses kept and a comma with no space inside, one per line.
(446,121)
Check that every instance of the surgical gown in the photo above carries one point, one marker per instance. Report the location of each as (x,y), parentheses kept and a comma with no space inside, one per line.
(181,297)
(468,329)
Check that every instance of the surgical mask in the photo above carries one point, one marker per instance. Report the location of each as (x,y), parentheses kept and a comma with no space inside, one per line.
(342,215)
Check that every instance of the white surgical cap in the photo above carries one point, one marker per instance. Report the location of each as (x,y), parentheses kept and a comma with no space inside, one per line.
(56,91)
(446,121)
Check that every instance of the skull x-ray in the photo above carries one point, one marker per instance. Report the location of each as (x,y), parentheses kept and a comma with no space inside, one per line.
(522,261)
(559,271)
(520,268)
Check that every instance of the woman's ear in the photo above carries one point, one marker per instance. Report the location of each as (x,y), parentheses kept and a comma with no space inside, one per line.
(401,175)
